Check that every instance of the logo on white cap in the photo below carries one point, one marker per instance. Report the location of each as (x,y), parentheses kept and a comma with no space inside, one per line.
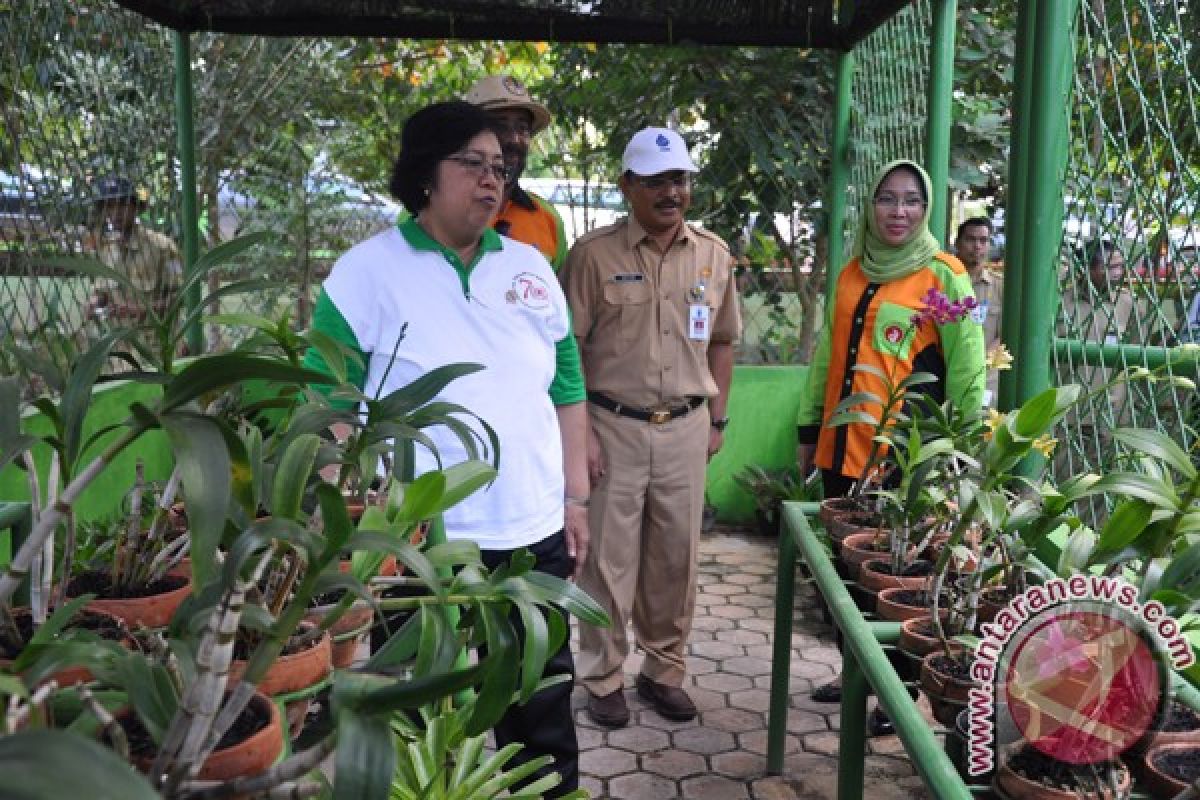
(664,144)
(652,151)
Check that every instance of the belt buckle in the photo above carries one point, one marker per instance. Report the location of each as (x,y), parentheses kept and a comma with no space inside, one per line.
(660,416)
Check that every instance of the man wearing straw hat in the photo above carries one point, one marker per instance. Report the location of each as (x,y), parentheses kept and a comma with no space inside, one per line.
(523,215)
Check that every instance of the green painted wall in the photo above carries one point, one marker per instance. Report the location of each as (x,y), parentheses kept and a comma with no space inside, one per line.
(110,405)
(762,430)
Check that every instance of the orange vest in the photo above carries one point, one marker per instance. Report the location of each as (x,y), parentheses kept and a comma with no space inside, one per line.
(535,223)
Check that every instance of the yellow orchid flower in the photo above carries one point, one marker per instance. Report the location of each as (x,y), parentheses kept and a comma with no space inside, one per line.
(1044,444)
(998,358)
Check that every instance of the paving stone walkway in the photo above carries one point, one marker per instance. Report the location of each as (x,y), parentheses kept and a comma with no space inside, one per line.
(722,754)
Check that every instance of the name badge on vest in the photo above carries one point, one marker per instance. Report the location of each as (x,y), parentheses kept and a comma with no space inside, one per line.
(698,322)
(979,313)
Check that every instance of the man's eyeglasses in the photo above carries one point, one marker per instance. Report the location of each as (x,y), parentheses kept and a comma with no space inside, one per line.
(479,166)
(891,202)
(658,182)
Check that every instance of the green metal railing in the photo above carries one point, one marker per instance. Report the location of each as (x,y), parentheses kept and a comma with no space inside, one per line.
(864,663)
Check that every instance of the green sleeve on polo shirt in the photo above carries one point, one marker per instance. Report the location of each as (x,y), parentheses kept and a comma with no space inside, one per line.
(329,320)
(567,387)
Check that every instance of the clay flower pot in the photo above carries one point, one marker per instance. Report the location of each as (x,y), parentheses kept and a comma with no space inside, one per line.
(1164,766)
(101,623)
(914,641)
(347,633)
(889,605)
(874,578)
(150,611)
(860,547)
(834,507)
(1016,786)
(991,602)
(848,524)
(1182,726)
(251,756)
(292,673)
(948,694)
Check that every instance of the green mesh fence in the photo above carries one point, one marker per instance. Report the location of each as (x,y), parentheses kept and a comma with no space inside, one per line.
(296,137)
(891,80)
(1128,262)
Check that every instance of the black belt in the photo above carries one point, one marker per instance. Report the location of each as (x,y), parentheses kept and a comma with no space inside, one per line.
(655,416)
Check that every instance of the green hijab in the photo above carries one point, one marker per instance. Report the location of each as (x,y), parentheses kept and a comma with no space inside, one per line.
(881,262)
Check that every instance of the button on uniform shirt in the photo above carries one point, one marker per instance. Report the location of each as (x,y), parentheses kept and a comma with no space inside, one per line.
(632,304)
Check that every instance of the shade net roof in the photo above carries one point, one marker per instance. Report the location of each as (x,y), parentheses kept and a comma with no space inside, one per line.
(833,24)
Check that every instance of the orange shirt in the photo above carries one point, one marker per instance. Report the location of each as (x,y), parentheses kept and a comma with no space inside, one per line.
(530,219)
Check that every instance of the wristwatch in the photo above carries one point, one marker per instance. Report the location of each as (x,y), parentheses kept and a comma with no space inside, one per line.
(720,424)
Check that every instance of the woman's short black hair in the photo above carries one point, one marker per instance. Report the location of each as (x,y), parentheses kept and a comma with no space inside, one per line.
(431,134)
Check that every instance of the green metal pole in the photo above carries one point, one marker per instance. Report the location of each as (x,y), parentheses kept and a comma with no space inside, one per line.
(187,176)
(839,167)
(1053,61)
(852,738)
(1013,324)
(781,650)
(1118,355)
(861,642)
(941,112)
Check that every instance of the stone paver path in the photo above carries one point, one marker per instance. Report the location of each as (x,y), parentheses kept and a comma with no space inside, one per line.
(722,754)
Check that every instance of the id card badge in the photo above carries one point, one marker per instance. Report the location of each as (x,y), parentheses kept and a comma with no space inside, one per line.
(698,322)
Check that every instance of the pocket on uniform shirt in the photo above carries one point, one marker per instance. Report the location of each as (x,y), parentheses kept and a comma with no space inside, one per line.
(894,332)
(632,299)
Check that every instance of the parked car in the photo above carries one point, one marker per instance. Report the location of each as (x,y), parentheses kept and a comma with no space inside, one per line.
(583,206)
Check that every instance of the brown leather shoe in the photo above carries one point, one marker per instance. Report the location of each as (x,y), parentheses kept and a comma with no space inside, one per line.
(609,710)
(669,701)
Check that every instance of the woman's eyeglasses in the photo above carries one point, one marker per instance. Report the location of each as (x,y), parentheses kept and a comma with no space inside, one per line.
(480,167)
(891,202)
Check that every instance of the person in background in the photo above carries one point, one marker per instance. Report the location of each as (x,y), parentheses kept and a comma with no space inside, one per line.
(147,258)
(445,286)
(517,118)
(656,314)
(972,245)
(896,261)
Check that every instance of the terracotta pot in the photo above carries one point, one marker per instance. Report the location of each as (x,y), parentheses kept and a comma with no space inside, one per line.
(875,581)
(886,607)
(991,602)
(251,756)
(1017,787)
(390,568)
(1157,781)
(834,507)
(948,695)
(848,524)
(73,675)
(859,547)
(1190,736)
(347,633)
(914,642)
(293,673)
(154,611)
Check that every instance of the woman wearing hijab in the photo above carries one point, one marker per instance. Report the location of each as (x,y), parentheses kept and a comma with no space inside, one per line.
(896,261)
(442,287)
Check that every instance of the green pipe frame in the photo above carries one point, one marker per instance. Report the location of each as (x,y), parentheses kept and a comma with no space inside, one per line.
(940,113)
(839,168)
(186,139)
(863,663)
(1120,355)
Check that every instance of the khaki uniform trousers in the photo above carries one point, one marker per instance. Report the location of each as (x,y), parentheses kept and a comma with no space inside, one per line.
(645,525)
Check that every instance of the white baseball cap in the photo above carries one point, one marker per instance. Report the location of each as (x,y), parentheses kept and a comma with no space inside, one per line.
(655,150)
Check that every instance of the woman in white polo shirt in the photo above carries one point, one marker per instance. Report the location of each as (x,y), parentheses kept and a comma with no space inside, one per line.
(463,293)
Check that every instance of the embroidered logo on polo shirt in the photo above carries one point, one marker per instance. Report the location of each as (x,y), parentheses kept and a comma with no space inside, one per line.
(531,291)
(893,333)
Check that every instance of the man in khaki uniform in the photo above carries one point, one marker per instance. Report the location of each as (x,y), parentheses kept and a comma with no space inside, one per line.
(972,245)
(1098,309)
(656,314)
(149,259)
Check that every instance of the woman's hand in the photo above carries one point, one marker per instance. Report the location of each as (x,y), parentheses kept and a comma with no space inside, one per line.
(578,534)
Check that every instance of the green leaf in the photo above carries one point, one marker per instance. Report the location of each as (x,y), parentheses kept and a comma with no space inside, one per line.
(1034,418)
(851,417)
(366,756)
(1157,445)
(1183,573)
(334,517)
(858,399)
(416,394)
(41,764)
(1125,525)
(500,679)
(225,369)
(205,472)
(77,396)
(918,379)
(1152,490)
(292,474)
(421,497)
(462,480)
(535,650)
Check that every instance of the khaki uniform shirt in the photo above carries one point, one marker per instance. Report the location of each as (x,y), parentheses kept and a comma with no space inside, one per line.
(989,293)
(148,258)
(1095,319)
(632,304)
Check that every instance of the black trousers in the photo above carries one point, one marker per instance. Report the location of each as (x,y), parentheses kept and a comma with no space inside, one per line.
(544,725)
